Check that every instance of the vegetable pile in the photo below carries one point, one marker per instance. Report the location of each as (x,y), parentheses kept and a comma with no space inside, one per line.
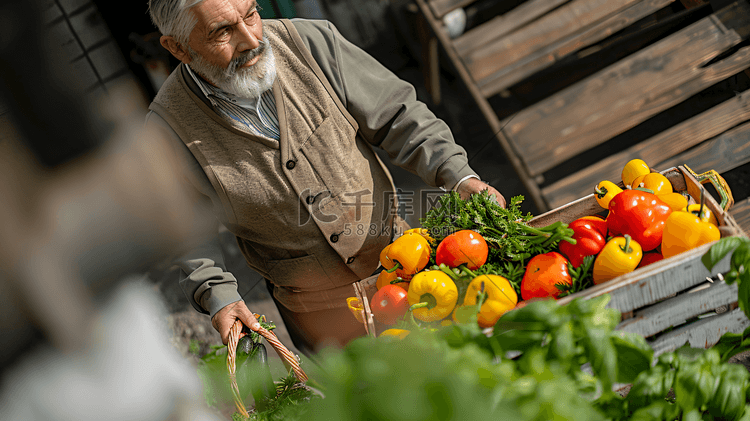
(469,257)
(476,256)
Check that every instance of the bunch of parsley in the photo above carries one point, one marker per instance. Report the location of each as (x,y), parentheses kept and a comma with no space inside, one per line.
(512,242)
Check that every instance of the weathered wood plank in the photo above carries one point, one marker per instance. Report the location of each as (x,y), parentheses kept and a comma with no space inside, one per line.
(677,310)
(627,93)
(504,24)
(724,153)
(741,214)
(689,4)
(441,7)
(656,281)
(560,23)
(573,68)
(487,111)
(558,48)
(703,333)
(654,150)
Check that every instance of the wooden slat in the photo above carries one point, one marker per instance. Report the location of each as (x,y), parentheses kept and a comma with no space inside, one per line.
(504,24)
(629,92)
(559,48)
(656,281)
(724,153)
(489,114)
(703,333)
(741,214)
(561,23)
(654,150)
(440,8)
(677,310)
(689,4)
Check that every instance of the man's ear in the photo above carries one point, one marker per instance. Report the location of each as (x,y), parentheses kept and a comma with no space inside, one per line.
(174,47)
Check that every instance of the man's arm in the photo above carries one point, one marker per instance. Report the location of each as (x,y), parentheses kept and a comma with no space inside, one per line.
(389,114)
(207,285)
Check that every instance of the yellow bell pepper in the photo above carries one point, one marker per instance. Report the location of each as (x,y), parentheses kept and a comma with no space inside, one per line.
(436,292)
(705,215)
(684,231)
(501,298)
(605,191)
(633,169)
(675,201)
(423,232)
(619,256)
(657,183)
(394,333)
(407,255)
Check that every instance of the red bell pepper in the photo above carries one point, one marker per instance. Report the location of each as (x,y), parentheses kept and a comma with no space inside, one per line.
(590,233)
(640,214)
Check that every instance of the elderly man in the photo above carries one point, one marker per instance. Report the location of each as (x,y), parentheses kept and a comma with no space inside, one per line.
(278,120)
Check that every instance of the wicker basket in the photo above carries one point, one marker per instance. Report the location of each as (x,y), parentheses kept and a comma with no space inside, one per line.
(290,360)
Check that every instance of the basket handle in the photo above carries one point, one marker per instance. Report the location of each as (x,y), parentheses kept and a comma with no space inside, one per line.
(721,186)
(290,360)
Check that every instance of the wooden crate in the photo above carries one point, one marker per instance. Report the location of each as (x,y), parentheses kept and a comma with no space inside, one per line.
(592,84)
(675,300)
(674,295)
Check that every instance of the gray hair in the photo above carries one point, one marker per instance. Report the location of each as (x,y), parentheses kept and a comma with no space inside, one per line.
(173,18)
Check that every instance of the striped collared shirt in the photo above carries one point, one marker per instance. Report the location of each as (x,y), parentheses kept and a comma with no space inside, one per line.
(257,114)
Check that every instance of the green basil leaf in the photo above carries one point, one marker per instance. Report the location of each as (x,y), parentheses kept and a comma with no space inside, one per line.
(563,344)
(741,258)
(602,355)
(692,415)
(686,353)
(657,410)
(720,249)
(727,344)
(634,355)
(694,385)
(728,402)
(743,292)
(650,386)
(519,340)
(745,416)
(535,313)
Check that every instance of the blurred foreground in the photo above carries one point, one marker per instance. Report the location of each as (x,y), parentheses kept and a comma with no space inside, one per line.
(89,197)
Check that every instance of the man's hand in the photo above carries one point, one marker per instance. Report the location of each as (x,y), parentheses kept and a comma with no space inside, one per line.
(224,319)
(472,186)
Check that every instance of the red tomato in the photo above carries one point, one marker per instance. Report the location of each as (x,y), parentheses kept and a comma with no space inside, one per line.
(389,304)
(542,273)
(462,247)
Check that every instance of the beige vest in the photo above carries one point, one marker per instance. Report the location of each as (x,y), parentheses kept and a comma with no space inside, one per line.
(312,211)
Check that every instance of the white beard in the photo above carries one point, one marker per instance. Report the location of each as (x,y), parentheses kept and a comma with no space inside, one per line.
(248,82)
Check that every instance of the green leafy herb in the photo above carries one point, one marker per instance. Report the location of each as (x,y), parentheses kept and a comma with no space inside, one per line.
(582,276)
(504,229)
(512,242)
(739,266)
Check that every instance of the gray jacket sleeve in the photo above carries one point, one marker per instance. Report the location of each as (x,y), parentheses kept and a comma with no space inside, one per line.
(203,276)
(386,108)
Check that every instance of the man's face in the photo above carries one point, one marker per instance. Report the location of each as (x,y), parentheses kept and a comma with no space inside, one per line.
(228,49)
